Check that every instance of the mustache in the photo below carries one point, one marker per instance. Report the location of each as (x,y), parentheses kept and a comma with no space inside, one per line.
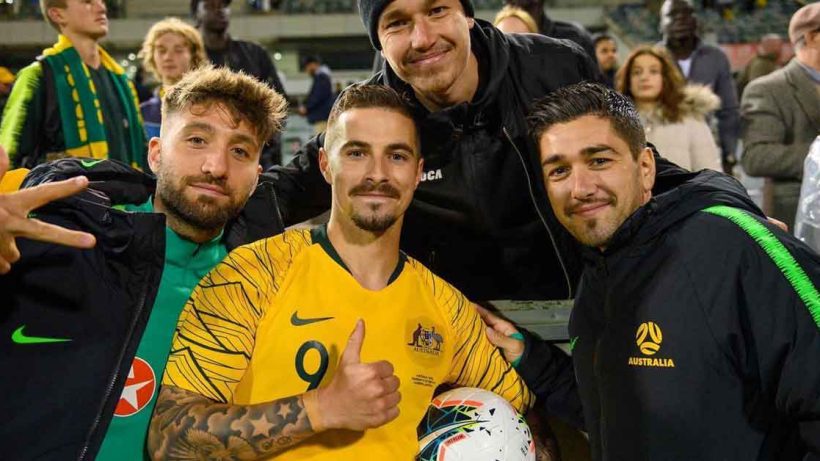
(578,204)
(413,55)
(382,188)
(222,183)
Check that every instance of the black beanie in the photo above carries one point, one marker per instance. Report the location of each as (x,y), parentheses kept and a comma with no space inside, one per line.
(370,10)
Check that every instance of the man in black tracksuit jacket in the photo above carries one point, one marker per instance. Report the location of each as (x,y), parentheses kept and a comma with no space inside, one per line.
(696,329)
(472,220)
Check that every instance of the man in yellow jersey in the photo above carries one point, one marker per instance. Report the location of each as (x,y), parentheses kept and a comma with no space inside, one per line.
(263,363)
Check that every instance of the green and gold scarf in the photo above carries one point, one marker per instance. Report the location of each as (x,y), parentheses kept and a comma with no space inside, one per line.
(80,111)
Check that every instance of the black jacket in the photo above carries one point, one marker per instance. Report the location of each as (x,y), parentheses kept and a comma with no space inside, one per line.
(254,60)
(689,341)
(60,397)
(472,220)
(568,31)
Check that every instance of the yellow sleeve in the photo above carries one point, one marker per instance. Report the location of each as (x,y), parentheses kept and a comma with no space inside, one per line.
(476,362)
(12,180)
(215,334)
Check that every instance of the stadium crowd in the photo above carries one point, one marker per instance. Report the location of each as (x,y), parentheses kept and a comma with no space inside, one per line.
(164,299)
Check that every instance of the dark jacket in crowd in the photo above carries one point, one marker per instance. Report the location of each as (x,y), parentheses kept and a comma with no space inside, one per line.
(695,333)
(569,31)
(250,58)
(254,60)
(320,98)
(472,220)
(710,67)
(65,392)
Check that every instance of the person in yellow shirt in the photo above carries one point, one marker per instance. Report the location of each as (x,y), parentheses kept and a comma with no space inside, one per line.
(263,363)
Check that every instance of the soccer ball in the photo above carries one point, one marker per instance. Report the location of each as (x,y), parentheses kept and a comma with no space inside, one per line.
(469,424)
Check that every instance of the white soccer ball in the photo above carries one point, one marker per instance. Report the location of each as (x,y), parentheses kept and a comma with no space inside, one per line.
(469,424)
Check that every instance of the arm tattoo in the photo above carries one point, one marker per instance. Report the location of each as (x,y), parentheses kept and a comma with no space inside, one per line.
(189,426)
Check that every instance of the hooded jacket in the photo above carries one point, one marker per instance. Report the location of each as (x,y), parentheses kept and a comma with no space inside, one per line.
(472,219)
(71,320)
(688,141)
(694,336)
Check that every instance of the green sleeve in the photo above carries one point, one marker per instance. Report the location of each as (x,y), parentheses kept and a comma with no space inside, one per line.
(23,115)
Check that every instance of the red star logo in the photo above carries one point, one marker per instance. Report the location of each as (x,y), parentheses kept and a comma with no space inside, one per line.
(139,388)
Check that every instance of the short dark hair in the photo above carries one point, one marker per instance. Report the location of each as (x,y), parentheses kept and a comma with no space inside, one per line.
(195,5)
(600,37)
(575,101)
(365,96)
(309,59)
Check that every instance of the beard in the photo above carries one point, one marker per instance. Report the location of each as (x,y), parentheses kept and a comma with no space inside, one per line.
(202,213)
(374,221)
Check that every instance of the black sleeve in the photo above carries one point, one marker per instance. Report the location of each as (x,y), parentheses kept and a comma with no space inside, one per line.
(550,375)
(269,72)
(300,187)
(766,313)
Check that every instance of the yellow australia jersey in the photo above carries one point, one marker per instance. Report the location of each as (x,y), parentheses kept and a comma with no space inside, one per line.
(272,320)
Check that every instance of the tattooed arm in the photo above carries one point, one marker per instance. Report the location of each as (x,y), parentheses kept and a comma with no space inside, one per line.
(187,425)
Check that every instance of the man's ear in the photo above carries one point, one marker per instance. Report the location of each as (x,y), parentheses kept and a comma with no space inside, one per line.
(324,164)
(470,23)
(646,163)
(154,154)
(55,14)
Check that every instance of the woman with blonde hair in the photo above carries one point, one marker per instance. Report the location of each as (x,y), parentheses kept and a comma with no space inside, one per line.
(512,19)
(673,113)
(170,49)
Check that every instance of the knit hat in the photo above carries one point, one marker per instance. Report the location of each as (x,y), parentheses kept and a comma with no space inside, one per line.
(370,10)
(805,20)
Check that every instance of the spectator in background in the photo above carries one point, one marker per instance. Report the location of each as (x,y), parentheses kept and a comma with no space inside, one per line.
(213,18)
(673,114)
(94,115)
(764,63)
(556,29)
(807,221)
(704,64)
(171,48)
(320,98)
(6,80)
(514,20)
(606,52)
(781,117)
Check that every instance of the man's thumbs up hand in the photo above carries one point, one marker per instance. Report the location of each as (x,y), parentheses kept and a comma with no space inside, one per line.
(360,395)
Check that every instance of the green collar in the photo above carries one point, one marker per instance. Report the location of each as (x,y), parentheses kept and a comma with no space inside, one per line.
(319,235)
(181,251)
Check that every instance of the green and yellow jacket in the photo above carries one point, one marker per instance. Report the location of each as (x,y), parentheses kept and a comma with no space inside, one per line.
(58,108)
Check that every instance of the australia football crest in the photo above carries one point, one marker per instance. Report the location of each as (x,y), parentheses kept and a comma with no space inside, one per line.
(426,340)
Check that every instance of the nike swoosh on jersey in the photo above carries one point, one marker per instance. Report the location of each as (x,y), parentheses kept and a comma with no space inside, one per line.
(296,321)
(19,337)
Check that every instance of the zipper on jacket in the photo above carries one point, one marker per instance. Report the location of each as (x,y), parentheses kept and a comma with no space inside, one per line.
(540,214)
(110,386)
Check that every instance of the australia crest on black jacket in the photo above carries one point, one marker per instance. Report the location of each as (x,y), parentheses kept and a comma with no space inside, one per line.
(695,333)
(71,320)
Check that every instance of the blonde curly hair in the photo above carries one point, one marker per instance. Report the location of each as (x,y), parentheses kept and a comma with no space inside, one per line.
(173,26)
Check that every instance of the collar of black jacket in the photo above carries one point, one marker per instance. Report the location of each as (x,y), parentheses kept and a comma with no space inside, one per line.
(673,203)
